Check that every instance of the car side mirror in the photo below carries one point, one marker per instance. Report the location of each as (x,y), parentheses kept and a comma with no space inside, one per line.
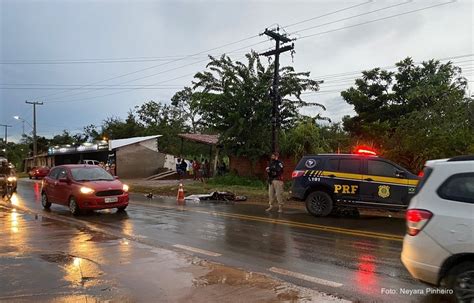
(116,177)
(64,180)
(400,174)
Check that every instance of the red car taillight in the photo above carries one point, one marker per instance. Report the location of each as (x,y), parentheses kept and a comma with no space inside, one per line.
(297,173)
(416,220)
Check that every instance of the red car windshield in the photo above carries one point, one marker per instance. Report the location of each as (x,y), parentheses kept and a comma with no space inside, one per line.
(90,174)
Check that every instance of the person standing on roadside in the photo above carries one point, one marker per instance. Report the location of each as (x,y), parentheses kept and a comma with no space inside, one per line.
(196,169)
(275,182)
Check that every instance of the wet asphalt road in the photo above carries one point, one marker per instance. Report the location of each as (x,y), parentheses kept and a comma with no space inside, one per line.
(353,258)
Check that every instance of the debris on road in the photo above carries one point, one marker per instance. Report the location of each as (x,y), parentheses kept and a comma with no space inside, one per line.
(224,196)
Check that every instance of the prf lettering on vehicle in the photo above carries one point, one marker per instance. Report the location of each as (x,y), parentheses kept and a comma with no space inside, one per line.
(345,189)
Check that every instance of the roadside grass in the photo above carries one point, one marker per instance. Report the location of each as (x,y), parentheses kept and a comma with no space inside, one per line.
(254,189)
(20,175)
(252,193)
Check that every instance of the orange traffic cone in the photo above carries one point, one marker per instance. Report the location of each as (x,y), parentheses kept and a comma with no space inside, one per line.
(180,197)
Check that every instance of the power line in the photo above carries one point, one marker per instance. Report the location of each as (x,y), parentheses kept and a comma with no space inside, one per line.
(376,20)
(92,61)
(116,93)
(354,16)
(158,65)
(75,85)
(161,72)
(155,74)
(328,14)
(128,90)
(265,41)
(349,79)
(228,44)
(151,58)
(390,67)
(89,89)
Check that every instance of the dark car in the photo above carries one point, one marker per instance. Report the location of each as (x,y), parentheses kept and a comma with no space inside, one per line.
(83,187)
(38,172)
(330,182)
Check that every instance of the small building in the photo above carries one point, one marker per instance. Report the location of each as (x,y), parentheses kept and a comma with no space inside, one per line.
(136,157)
(139,157)
(41,160)
(68,154)
(209,140)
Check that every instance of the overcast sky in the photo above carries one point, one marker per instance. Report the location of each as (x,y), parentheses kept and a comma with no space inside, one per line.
(79,39)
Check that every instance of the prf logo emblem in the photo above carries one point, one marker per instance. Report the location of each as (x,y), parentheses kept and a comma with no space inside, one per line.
(384,191)
(345,189)
(310,163)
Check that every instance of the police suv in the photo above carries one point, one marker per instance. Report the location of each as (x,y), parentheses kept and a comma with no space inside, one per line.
(331,182)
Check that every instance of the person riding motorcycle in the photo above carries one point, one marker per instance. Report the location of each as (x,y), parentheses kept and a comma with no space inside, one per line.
(5,172)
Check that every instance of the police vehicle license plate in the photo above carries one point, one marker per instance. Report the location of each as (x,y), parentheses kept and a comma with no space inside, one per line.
(111,200)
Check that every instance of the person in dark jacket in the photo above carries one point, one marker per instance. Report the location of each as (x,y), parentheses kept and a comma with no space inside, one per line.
(275,182)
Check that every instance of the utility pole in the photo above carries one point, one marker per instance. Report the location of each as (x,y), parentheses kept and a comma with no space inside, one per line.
(275,94)
(6,136)
(35,148)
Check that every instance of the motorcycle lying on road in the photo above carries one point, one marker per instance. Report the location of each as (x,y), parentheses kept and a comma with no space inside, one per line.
(7,187)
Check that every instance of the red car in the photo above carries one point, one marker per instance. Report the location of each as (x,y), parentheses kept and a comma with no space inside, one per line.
(38,172)
(83,187)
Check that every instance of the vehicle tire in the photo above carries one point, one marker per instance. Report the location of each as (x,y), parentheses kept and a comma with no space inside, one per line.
(121,209)
(44,201)
(319,204)
(73,207)
(460,278)
(8,193)
(29,177)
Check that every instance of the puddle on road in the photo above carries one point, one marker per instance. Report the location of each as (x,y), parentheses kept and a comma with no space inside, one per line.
(169,276)
(131,271)
(100,237)
(79,271)
(265,286)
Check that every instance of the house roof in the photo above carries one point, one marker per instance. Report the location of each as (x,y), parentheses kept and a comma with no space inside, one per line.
(113,144)
(200,138)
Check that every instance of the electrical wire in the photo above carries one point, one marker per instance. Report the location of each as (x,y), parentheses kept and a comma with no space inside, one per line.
(352,17)
(155,66)
(378,19)
(327,14)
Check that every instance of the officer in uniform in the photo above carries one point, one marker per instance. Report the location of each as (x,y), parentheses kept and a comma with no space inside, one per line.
(275,182)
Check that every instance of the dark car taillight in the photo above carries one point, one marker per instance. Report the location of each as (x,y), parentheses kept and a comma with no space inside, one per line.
(416,220)
(297,173)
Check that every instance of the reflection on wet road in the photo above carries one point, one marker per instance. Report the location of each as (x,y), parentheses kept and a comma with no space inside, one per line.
(353,258)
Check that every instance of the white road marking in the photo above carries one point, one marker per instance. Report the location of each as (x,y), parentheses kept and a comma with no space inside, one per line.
(197,250)
(304,277)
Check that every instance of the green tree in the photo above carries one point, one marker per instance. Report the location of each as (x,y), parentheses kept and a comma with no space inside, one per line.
(16,153)
(90,133)
(305,138)
(165,120)
(335,138)
(67,138)
(116,128)
(442,130)
(187,103)
(234,100)
(416,113)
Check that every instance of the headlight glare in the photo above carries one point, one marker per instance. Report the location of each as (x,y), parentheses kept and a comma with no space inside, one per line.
(125,188)
(86,190)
